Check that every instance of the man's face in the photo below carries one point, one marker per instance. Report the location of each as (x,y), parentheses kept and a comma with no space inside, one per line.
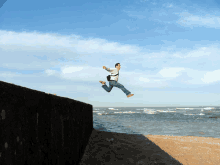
(118,67)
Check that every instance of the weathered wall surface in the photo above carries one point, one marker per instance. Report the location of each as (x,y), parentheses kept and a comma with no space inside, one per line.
(41,128)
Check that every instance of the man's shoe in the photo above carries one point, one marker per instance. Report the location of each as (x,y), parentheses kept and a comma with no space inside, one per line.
(103,82)
(130,95)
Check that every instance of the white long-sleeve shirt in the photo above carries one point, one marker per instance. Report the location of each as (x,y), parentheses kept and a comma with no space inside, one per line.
(113,71)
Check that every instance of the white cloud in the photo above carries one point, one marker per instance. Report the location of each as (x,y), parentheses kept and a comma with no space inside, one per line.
(191,77)
(199,52)
(170,72)
(50,72)
(209,21)
(195,77)
(8,74)
(144,79)
(63,44)
(71,69)
(211,77)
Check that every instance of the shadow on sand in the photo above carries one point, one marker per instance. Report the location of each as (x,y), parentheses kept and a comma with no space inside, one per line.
(105,148)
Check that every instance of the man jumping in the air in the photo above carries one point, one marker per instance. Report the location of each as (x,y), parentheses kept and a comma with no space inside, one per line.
(114,80)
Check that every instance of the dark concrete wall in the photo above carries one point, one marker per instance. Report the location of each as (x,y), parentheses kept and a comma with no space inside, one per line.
(41,128)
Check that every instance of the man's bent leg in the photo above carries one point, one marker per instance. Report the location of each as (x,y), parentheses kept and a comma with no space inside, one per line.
(108,89)
(116,84)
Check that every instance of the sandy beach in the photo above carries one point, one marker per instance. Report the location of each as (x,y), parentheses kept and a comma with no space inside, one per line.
(106,148)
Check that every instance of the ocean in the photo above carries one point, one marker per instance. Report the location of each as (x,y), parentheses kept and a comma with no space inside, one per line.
(173,121)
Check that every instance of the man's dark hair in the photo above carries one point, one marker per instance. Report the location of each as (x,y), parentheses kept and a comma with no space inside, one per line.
(116,64)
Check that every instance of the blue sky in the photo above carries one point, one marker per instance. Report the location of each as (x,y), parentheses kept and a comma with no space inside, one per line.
(168,50)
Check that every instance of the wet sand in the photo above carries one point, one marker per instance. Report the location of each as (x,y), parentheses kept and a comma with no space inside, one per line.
(105,148)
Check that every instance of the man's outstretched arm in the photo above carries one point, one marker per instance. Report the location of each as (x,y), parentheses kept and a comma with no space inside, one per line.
(108,69)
